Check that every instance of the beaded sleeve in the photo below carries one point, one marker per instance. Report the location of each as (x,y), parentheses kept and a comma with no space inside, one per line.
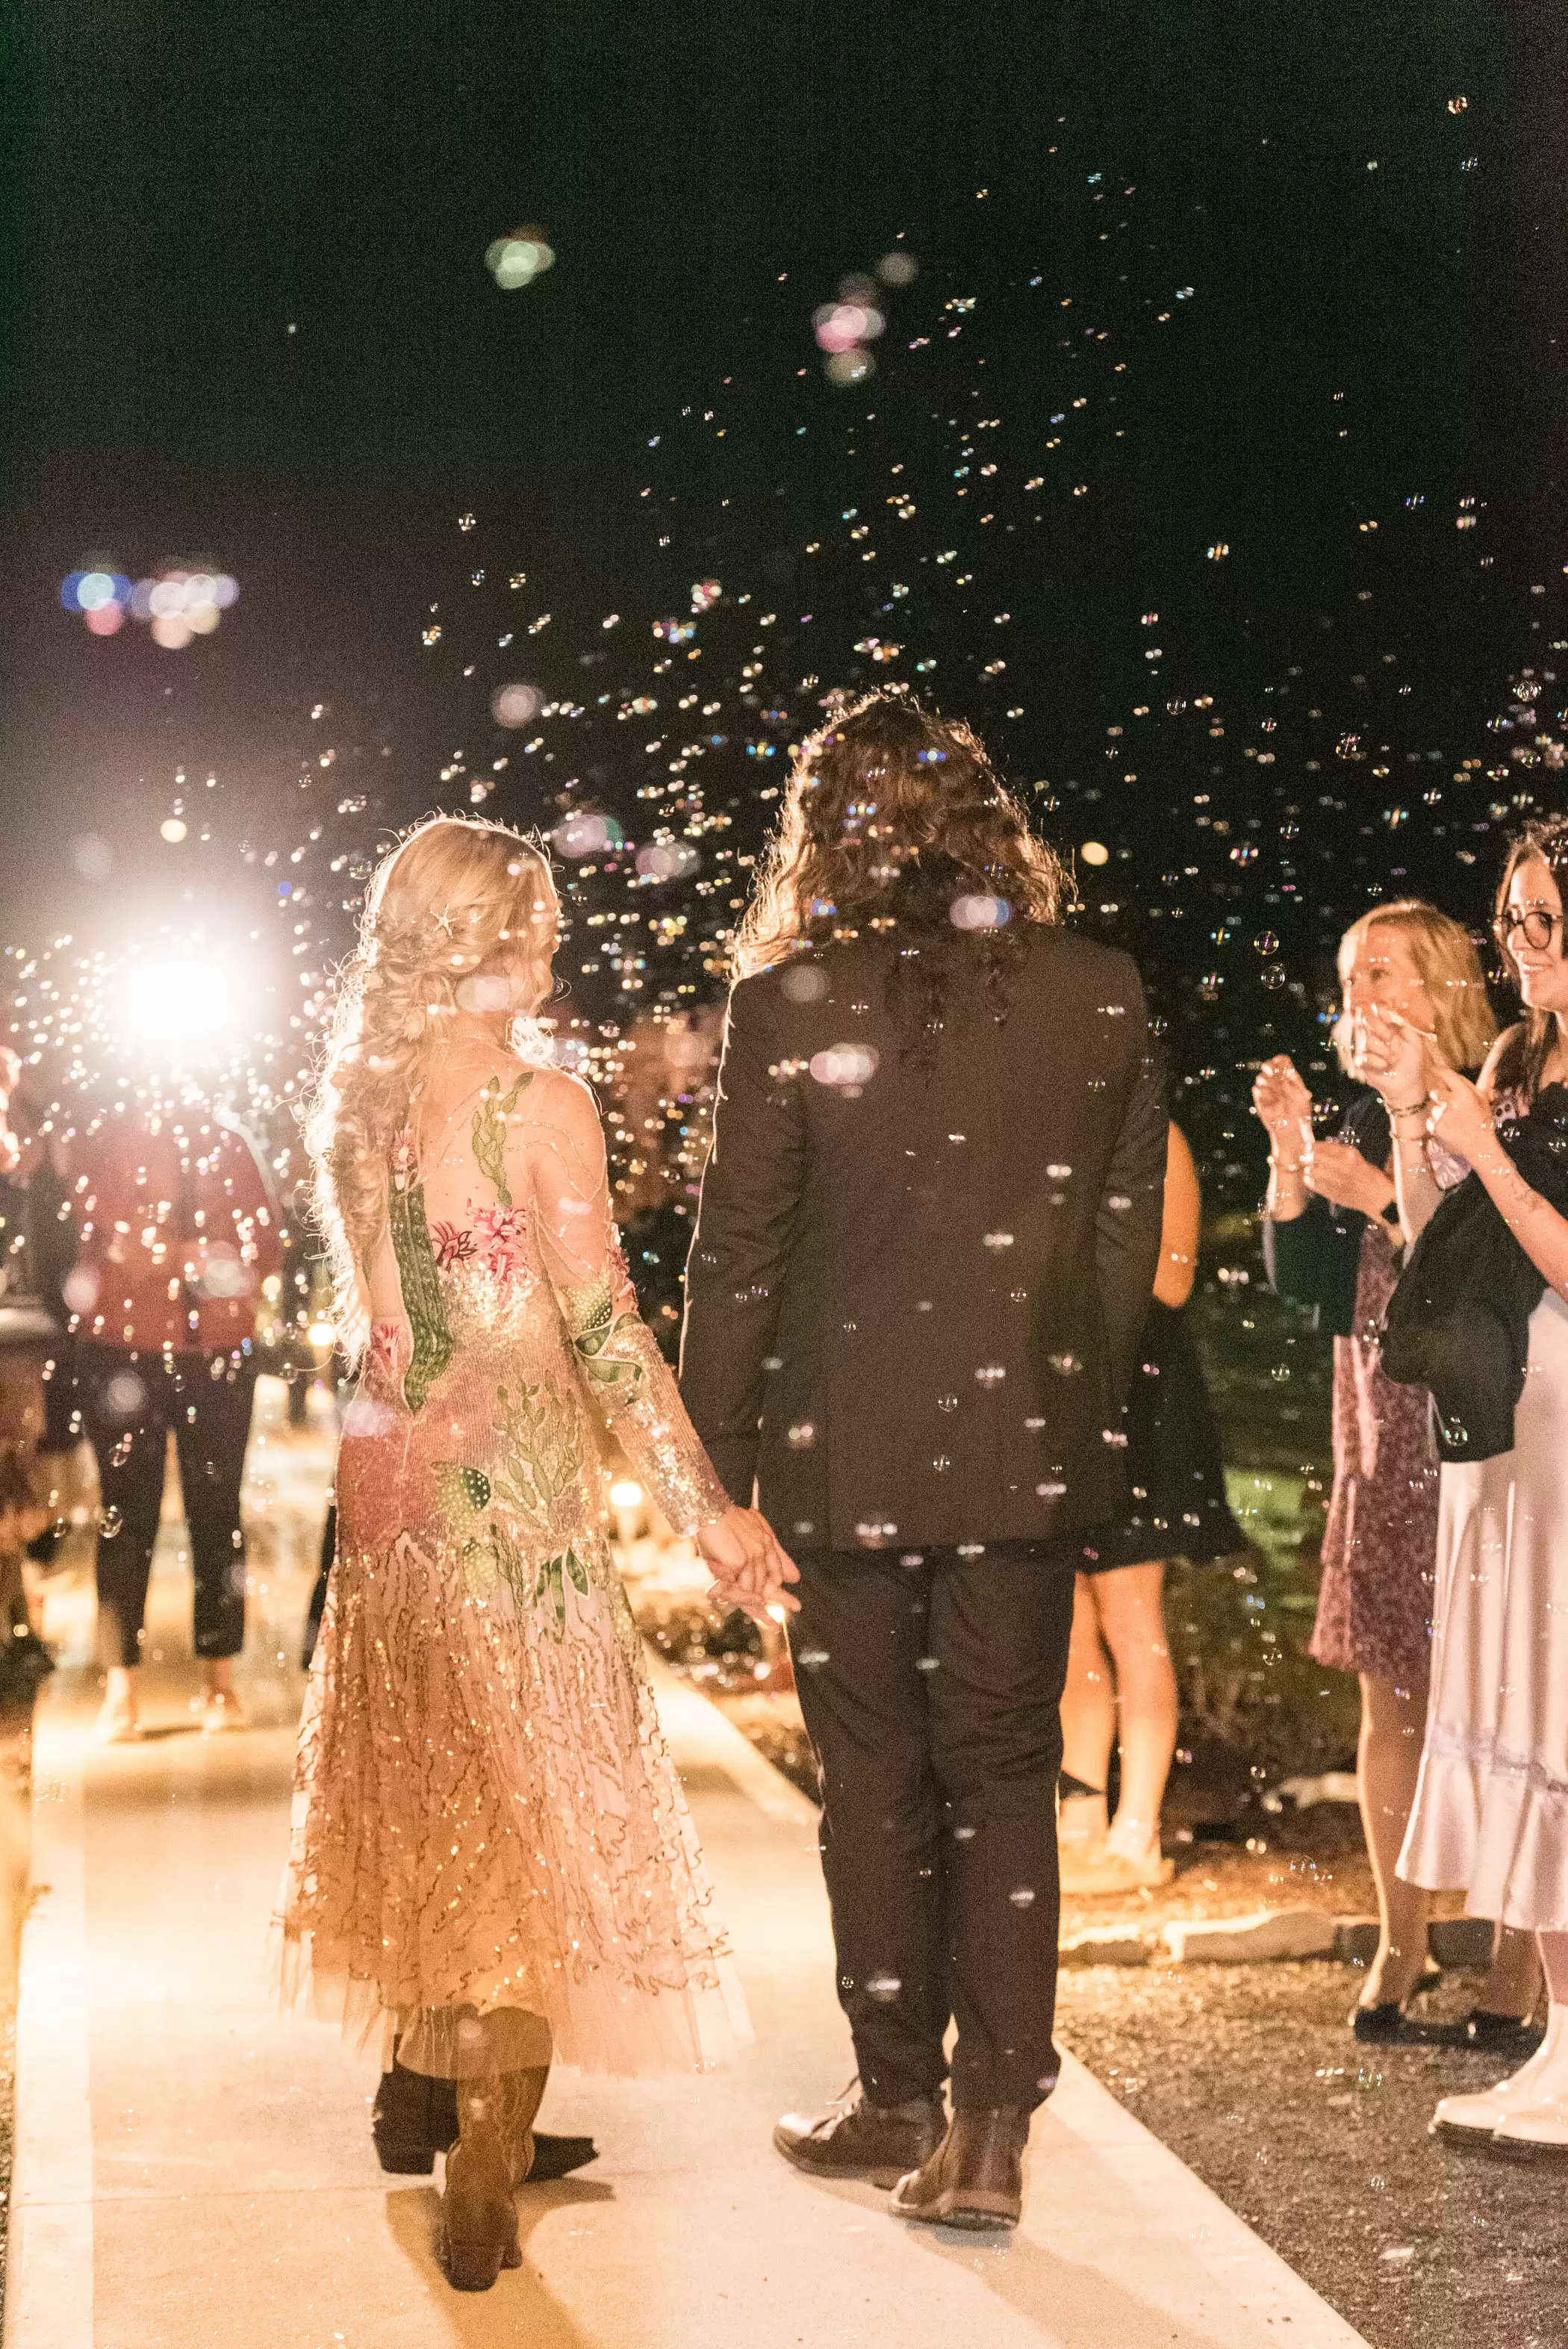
(617,1355)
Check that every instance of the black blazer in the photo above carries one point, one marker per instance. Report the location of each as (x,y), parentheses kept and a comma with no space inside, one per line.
(913,1301)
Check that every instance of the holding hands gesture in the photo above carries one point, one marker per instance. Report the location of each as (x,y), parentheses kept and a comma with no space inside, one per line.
(750,1567)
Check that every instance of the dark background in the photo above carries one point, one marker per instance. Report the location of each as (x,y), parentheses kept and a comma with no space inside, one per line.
(1376,300)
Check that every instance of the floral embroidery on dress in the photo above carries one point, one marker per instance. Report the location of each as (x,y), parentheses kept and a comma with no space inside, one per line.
(550,1588)
(594,1327)
(453,1244)
(489,1133)
(385,1346)
(493,1241)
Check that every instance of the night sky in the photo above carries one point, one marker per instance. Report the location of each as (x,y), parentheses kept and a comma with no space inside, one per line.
(1296,289)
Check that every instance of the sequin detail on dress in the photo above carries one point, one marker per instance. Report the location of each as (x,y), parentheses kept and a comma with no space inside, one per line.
(417,1273)
(488,1823)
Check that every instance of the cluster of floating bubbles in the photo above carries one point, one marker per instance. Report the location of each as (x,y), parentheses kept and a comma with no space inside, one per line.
(845,328)
(177,606)
(899,534)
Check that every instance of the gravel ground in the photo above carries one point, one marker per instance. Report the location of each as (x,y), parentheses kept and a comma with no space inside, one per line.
(1250,2075)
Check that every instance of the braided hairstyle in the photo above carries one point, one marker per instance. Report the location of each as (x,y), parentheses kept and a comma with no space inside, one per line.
(456,897)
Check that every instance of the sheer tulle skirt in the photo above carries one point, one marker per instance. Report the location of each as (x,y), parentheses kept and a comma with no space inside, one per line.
(488,1825)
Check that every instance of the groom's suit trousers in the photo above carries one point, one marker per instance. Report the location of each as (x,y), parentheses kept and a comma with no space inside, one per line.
(931,1684)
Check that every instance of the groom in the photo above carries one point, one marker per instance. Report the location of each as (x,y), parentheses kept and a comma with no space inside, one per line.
(926,1244)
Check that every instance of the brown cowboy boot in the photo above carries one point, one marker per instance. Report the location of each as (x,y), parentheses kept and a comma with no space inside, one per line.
(855,2139)
(516,2097)
(415,2117)
(493,2155)
(478,2214)
(975,2177)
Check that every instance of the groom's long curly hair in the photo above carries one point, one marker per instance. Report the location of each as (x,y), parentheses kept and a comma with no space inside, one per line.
(896,825)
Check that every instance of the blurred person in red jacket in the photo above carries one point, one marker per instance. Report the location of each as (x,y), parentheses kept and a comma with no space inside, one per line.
(177,1231)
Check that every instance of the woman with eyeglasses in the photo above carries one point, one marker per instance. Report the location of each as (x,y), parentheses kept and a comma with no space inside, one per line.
(1483,1313)
(1331,1241)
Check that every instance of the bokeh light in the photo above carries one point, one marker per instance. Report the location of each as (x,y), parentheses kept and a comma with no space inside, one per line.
(517,260)
(177,605)
(515,704)
(175,1004)
(586,834)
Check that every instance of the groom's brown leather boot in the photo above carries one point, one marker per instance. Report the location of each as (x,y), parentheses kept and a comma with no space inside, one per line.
(975,2177)
(855,2139)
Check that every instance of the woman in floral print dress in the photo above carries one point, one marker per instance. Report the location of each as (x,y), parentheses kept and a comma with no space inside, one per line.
(490,1848)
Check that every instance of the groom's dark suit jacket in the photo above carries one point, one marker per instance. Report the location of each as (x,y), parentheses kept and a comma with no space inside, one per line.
(912,1300)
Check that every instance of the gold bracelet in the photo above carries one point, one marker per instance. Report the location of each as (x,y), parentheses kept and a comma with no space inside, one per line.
(1410,1109)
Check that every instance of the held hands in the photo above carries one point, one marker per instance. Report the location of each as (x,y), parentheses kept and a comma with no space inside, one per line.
(750,1567)
(1336,1171)
(1282,1101)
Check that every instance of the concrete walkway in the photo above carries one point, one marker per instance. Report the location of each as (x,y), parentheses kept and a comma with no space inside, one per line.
(193,2168)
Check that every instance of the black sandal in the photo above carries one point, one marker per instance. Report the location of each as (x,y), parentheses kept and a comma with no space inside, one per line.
(1491,2033)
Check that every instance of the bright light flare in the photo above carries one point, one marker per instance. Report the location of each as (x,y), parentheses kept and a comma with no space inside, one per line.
(177,1004)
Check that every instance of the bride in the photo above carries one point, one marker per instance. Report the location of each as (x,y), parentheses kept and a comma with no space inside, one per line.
(490,1850)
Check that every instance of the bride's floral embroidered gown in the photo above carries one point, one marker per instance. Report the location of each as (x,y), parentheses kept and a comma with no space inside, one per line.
(488,1826)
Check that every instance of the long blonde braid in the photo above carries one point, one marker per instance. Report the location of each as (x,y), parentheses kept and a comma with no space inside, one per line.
(456,894)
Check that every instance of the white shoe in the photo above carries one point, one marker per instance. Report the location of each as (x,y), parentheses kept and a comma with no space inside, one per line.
(1081,1842)
(1539,2125)
(117,1723)
(1483,2115)
(1136,1844)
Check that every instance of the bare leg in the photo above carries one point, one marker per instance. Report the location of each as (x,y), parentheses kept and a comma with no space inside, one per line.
(220,1704)
(1553,1948)
(1089,1721)
(1132,1626)
(1388,1762)
(1512,1985)
(117,1715)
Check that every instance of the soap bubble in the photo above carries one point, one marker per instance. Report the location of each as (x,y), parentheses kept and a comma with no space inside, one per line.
(586,834)
(845,1068)
(515,705)
(668,860)
(518,259)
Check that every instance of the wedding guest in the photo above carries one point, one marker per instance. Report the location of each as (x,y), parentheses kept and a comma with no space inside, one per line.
(925,1247)
(1121,1686)
(1481,1317)
(177,1233)
(1332,1241)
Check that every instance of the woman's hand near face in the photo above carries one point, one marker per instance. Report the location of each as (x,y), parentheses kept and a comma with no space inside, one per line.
(1394,1057)
(1336,1171)
(1282,1104)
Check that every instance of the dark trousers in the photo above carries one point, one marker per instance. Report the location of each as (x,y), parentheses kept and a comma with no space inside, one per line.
(931,1687)
(130,1399)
